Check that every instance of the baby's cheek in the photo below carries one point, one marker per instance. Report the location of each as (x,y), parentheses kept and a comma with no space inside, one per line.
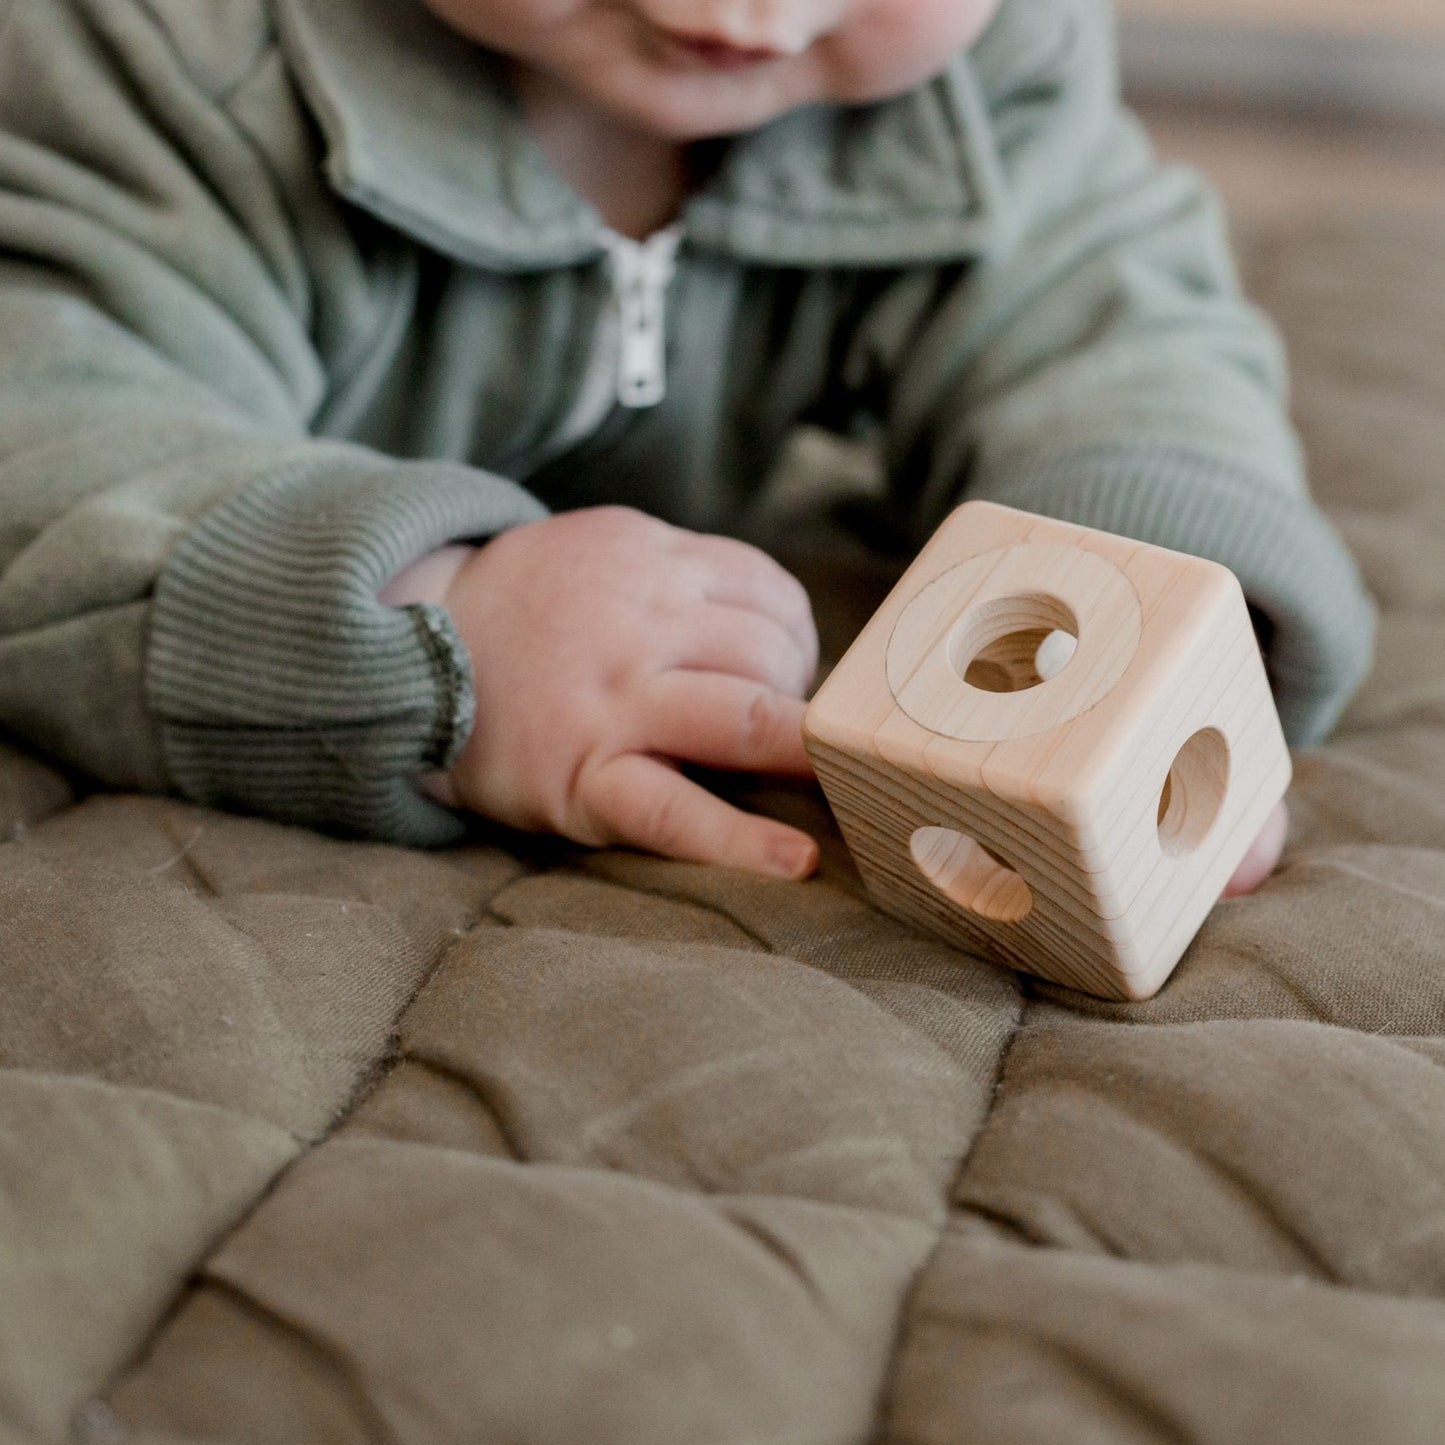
(888,46)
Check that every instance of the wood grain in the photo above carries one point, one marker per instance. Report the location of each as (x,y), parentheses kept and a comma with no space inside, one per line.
(1075,818)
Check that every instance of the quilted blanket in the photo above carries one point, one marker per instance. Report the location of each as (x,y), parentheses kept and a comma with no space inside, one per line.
(304,1140)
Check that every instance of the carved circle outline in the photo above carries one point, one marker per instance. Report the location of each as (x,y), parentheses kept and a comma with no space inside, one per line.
(918,655)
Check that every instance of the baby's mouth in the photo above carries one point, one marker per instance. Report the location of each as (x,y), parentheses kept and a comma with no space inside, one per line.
(711,53)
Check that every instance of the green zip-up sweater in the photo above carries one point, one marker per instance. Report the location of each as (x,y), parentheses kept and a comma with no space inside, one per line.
(288,297)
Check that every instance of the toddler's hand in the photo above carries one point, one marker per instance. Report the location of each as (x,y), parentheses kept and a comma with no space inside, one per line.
(1263,854)
(608,647)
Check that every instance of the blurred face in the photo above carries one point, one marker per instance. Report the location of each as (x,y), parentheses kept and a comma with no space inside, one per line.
(684,70)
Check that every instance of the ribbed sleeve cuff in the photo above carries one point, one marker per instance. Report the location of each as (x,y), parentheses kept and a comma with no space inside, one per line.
(1290,562)
(283,685)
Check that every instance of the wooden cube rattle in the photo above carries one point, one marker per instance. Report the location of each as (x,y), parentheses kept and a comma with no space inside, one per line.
(1052,746)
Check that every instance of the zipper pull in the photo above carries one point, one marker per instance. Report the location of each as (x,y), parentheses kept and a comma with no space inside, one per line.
(641,271)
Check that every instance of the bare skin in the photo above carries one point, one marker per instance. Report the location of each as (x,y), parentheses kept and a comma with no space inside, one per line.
(1263,855)
(637,646)
(609,649)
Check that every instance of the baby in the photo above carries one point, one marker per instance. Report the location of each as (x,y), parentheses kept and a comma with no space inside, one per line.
(334,335)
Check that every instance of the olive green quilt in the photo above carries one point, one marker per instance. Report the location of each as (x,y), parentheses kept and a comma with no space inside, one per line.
(304,1140)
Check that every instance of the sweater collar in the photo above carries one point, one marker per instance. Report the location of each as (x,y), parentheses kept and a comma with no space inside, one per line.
(420,128)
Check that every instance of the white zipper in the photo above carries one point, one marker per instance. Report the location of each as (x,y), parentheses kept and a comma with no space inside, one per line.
(628,360)
(641,271)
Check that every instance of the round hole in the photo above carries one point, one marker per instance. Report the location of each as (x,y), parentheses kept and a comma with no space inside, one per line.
(1014,643)
(1193,792)
(968,874)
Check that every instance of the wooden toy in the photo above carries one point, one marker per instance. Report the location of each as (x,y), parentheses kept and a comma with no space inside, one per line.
(1052,746)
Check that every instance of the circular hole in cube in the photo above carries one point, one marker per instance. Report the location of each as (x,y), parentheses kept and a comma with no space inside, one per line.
(1193,792)
(970,875)
(1010,644)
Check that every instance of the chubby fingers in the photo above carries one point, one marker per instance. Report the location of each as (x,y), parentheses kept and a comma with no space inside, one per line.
(742,576)
(1263,854)
(723,721)
(746,645)
(644,803)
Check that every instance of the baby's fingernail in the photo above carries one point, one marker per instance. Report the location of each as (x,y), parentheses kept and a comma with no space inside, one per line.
(792,857)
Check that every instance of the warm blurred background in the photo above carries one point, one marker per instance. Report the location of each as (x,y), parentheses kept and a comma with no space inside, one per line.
(1296,107)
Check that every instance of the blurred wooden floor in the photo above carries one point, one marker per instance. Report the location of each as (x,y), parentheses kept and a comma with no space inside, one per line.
(1271,168)
(1374,17)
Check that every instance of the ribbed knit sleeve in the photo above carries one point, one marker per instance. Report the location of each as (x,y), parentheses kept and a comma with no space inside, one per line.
(283,686)
(188,572)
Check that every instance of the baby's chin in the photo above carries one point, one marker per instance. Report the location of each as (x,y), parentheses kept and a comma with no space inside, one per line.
(701,106)
(696,106)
